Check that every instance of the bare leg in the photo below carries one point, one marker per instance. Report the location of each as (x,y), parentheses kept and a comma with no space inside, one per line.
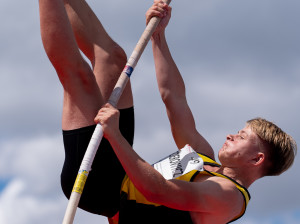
(85,90)
(107,57)
(66,27)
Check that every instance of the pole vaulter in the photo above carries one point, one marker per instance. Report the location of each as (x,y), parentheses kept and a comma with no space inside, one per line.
(97,136)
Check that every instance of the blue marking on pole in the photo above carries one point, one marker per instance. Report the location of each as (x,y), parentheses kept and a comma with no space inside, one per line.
(128,70)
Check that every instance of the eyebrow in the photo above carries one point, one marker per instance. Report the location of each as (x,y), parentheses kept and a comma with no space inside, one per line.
(242,132)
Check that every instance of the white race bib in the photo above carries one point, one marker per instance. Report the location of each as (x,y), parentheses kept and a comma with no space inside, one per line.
(179,163)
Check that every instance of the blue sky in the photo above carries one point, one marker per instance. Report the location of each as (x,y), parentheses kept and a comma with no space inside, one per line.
(240,59)
(3,184)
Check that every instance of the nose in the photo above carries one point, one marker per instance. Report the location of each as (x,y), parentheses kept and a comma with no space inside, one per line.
(229,137)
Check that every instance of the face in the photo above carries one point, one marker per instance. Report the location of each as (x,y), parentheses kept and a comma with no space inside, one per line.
(239,149)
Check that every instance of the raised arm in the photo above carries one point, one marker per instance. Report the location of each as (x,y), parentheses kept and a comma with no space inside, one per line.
(172,88)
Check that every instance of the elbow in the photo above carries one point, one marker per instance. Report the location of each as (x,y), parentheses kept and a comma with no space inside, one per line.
(171,99)
(165,95)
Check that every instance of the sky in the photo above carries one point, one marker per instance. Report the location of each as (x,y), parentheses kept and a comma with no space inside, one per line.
(239,60)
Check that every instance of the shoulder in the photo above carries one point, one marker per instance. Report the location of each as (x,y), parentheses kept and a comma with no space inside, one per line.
(222,198)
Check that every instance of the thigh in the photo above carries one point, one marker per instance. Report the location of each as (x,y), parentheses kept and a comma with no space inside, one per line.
(107,57)
(82,97)
(101,194)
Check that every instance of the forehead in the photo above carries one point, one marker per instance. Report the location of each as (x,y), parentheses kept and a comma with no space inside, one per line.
(247,130)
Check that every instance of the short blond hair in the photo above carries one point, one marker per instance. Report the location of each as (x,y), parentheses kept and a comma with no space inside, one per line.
(280,147)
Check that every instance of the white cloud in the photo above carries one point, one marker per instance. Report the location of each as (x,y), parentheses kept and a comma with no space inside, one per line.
(17,206)
(33,194)
(225,51)
(32,167)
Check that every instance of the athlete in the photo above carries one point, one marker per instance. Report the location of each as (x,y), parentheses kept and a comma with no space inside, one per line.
(212,193)
(70,25)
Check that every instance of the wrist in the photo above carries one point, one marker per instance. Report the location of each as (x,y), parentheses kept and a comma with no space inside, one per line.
(113,135)
(157,37)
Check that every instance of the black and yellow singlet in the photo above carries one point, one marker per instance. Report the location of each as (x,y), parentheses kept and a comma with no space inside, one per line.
(135,208)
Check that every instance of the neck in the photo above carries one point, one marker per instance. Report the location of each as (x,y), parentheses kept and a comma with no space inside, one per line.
(244,179)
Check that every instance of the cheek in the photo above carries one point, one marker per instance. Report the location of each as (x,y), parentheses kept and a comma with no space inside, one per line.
(229,148)
(231,152)
(226,154)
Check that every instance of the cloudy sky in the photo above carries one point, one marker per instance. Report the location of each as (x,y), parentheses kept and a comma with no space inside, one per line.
(240,59)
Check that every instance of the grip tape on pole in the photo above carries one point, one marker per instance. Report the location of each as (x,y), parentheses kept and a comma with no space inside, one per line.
(80,181)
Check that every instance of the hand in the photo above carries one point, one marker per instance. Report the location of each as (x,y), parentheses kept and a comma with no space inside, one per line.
(161,10)
(108,117)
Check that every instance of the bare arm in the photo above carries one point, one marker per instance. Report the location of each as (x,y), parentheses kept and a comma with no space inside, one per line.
(222,195)
(172,88)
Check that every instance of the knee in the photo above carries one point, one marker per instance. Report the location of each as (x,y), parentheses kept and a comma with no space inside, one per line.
(114,56)
(118,56)
(76,74)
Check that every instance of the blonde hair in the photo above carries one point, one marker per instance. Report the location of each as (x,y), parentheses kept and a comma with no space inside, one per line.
(280,147)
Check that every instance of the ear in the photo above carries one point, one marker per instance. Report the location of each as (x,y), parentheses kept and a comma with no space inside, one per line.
(258,159)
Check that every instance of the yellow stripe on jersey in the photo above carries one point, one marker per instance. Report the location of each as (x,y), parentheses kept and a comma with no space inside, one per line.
(208,161)
(133,193)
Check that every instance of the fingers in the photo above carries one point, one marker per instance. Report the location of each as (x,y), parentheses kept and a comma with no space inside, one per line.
(158,9)
(108,117)
(102,111)
(106,112)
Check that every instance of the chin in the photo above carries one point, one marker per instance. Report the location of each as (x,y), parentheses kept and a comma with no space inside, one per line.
(222,157)
(221,152)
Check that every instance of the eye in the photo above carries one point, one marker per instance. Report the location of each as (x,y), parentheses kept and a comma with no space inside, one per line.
(241,137)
